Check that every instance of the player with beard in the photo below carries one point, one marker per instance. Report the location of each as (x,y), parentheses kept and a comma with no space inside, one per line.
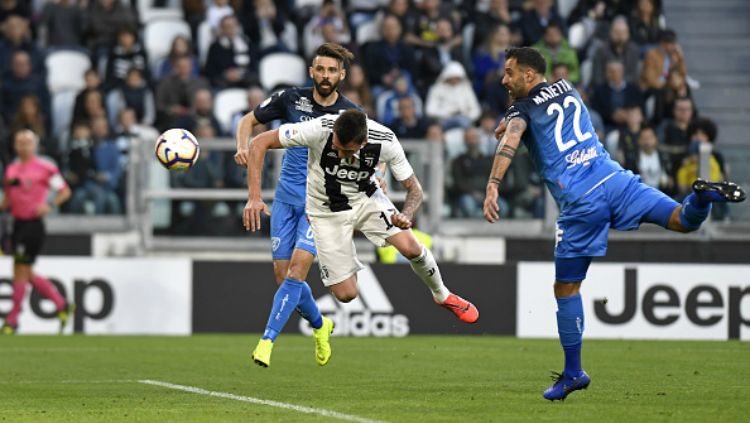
(292,243)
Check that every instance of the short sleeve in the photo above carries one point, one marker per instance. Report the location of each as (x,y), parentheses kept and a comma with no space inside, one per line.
(517,110)
(272,108)
(396,160)
(56,181)
(302,133)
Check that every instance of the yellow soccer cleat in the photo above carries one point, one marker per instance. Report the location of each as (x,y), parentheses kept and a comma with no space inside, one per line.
(8,330)
(322,341)
(262,353)
(65,314)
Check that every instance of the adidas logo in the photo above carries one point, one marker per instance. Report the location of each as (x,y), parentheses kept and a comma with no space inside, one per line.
(370,314)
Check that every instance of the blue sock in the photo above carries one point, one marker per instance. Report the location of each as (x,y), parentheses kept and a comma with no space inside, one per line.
(284,303)
(570,329)
(694,212)
(307,307)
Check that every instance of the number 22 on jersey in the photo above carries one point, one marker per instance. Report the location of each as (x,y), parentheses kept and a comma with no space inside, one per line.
(560,110)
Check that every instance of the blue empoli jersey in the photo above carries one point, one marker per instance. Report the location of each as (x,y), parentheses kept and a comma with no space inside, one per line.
(295,105)
(561,141)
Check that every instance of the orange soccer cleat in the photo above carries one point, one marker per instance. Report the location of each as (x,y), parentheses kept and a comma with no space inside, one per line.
(463,309)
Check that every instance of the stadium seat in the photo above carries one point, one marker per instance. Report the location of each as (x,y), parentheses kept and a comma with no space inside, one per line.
(205,38)
(468,41)
(587,68)
(289,36)
(148,13)
(311,3)
(368,31)
(65,70)
(227,103)
(158,36)
(577,36)
(62,113)
(454,144)
(282,69)
(564,7)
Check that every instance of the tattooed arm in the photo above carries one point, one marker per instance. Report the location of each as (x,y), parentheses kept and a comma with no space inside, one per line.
(506,149)
(413,200)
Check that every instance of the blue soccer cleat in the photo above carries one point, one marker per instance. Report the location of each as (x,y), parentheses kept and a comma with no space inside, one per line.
(564,385)
(719,192)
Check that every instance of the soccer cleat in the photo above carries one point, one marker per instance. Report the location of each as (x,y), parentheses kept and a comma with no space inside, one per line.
(65,314)
(322,341)
(463,309)
(564,385)
(719,192)
(8,329)
(262,353)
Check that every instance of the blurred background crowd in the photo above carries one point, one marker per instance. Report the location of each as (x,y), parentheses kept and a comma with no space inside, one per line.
(90,76)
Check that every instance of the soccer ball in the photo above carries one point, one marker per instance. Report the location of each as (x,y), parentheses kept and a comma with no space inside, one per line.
(177,149)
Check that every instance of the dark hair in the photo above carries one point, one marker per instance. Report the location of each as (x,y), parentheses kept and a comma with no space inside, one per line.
(705,125)
(667,36)
(528,57)
(336,51)
(351,127)
(648,127)
(553,25)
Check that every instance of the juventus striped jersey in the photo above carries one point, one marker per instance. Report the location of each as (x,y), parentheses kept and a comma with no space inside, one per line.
(335,184)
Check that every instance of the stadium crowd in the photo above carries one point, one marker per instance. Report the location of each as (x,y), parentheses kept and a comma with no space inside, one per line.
(428,69)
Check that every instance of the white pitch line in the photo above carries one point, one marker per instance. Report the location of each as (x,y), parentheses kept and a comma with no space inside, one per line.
(277,404)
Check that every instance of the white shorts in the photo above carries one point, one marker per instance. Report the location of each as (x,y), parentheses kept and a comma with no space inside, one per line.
(334,235)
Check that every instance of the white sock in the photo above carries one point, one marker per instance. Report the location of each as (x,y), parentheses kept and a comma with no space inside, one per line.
(427,270)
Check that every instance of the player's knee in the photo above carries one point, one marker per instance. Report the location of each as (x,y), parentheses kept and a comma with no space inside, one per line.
(346,297)
(412,249)
(345,291)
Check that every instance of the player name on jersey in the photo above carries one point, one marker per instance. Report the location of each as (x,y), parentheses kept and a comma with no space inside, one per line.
(548,93)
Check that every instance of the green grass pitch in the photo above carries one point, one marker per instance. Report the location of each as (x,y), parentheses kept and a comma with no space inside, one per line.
(419,378)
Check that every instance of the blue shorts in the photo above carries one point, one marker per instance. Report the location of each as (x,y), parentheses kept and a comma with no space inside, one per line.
(621,202)
(289,230)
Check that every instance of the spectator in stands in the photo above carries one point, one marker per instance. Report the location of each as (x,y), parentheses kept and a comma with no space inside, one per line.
(17,38)
(255,96)
(701,131)
(409,125)
(135,94)
(659,61)
(614,96)
(522,192)
(80,171)
(560,71)
(108,165)
(202,113)
(92,83)
(645,24)
(673,133)
(388,101)
(595,17)
(93,107)
(216,11)
(174,93)
(329,14)
(626,150)
(403,11)
(30,116)
(63,23)
(436,57)
(181,46)
(535,20)
(664,98)
(106,17)
(652,165)
(388,57)
(10,8)
(487,140)
(424,32)
(19,82)
(486,24)
(126,54)
(489,60)
(619,48)
(229,62)
(264,26)
(555,49)
(469,173)
(355,81)
(451,100)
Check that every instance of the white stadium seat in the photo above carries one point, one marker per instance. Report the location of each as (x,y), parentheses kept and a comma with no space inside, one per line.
(282,68)
(227,103)
(205,38)
(148,13)
(454,143)
(65,70)
(368,31)
(159,34)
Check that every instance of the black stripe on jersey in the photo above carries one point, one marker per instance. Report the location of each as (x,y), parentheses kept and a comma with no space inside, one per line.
(329,159)
(379,135)
(327,123)
(369,156)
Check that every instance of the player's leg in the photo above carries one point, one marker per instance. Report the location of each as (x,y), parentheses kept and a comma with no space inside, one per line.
(21,275)
(34,240)
(337,255)
(283,228)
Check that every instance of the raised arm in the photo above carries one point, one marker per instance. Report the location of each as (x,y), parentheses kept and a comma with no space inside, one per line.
(506,149)
(255,157)
(412,202)
(242,137)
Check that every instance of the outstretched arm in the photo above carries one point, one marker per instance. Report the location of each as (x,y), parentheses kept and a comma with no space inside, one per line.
(504,154)
(413,200)
(242,137)
(255,158)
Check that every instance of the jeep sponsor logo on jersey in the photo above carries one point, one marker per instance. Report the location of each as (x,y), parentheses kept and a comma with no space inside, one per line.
(370,314)
(346,173)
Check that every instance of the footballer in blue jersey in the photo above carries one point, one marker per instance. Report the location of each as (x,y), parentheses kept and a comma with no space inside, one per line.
(594,193)
(292,243)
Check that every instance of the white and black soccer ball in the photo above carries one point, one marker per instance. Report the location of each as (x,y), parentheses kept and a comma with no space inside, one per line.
(177,149)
